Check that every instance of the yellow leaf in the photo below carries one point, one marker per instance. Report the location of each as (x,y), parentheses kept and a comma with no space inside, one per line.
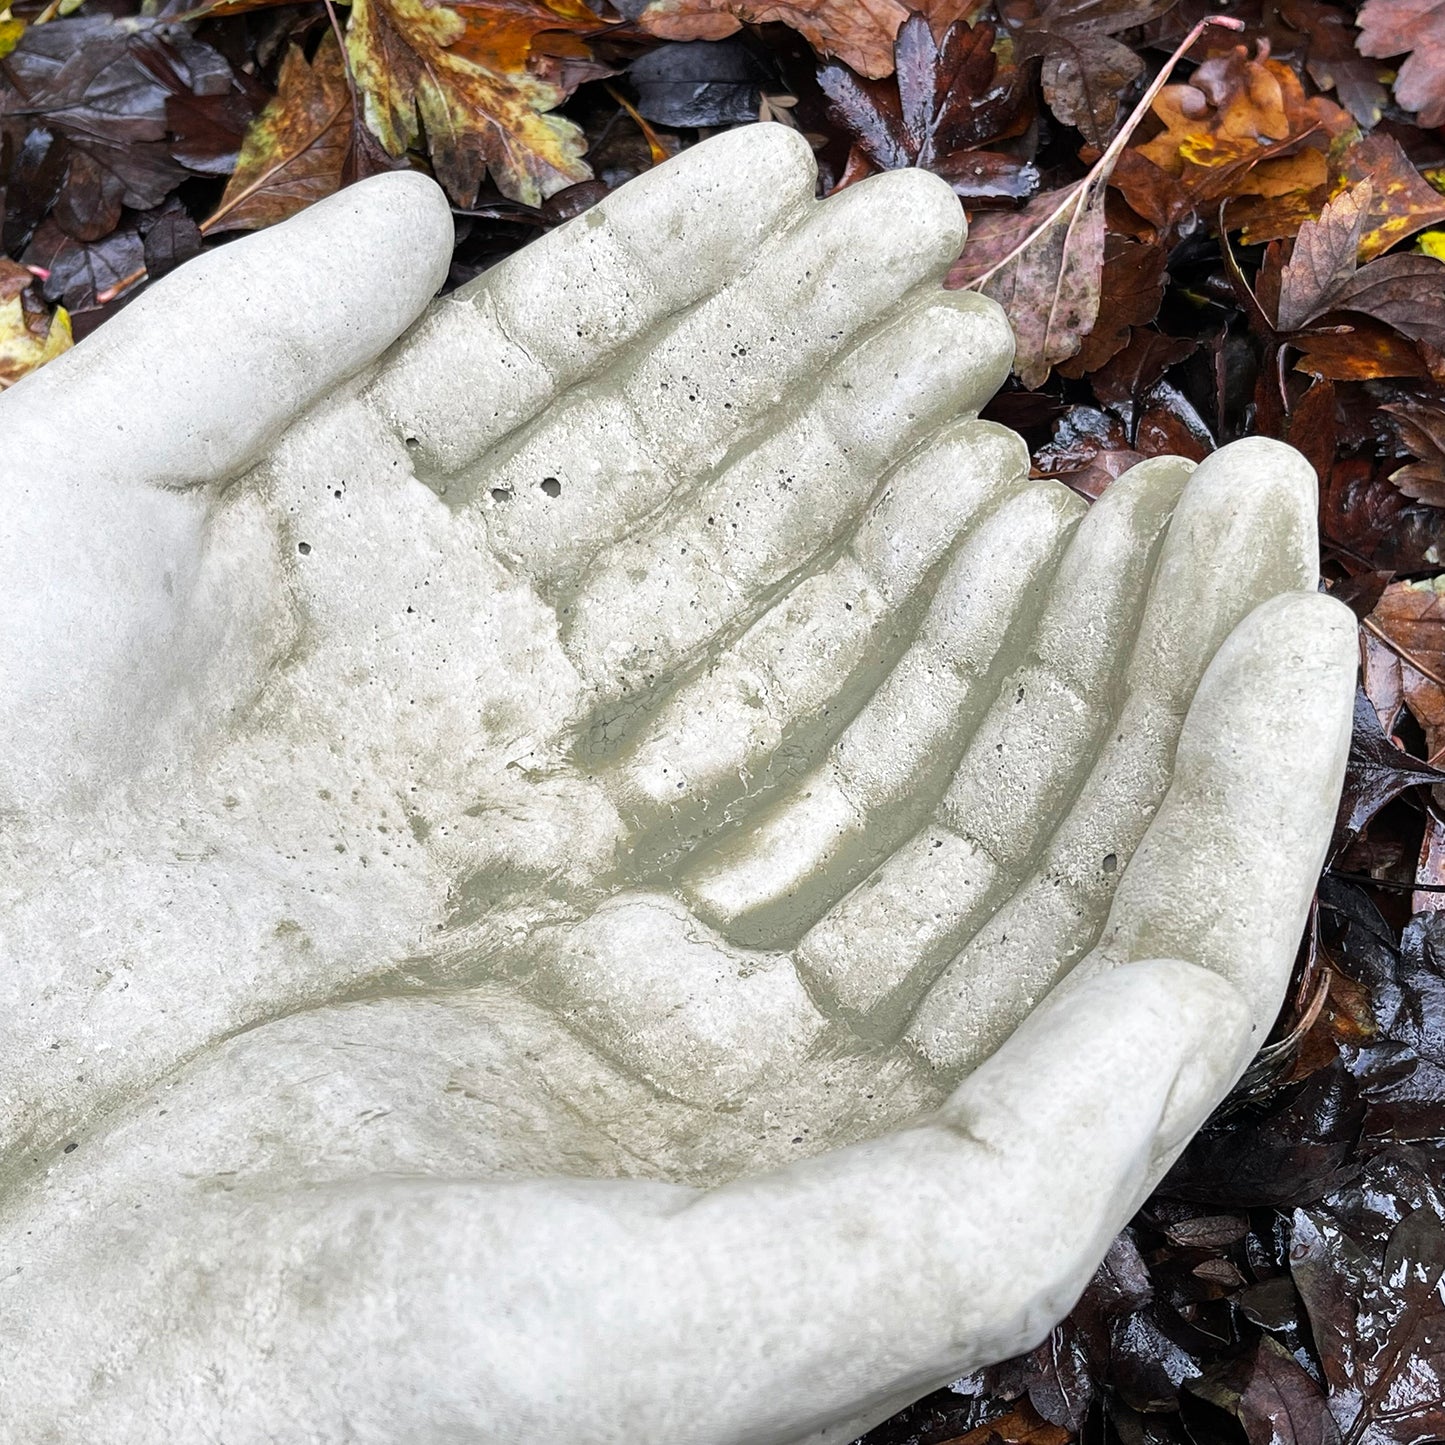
(1432,243)
(11,30)
(457,75)
(29,334)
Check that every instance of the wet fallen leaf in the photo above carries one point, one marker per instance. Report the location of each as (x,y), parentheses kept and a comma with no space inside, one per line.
(1410,618)
(30,334)
(1416,29)
(698,83)
(948,98)
(1377,772)
(1332,60)
(1272,1397)
(858,32)
(457,75)
(99,87)
(1380,1329)
(1042,265)
(1420,427)
(296,152)
(1402,201)
(79,270)
(1085,72)
(1244,125)
(1324,258)
(1023,1425)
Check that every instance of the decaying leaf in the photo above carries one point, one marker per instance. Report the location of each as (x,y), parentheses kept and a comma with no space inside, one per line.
(1324,257)
(1085,72)
(1271,1396)
(30,334)
(458,75)
(1380,1329)
(296,152)
(1410,617)
(1333,62)
(1244,126)
(1421,429)
(858,32)
(1402,201)
(1416,29)
(1042,265)
(949,98)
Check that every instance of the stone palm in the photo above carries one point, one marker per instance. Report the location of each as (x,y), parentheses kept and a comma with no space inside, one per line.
(536,864)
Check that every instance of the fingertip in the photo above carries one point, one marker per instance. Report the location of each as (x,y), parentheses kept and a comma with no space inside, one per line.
(1253,461)
(919,205)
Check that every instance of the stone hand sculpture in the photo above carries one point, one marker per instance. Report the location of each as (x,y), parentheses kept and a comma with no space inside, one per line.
(611,869)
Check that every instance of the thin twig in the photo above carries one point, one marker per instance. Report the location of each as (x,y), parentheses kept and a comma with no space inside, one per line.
(1100,171)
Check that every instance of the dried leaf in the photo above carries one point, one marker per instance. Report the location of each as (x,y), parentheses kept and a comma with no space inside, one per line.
(1050,286)
(30,335)
(457,74)
(1420,427)
(1415,28)
(860,33)
(1324,257)
(1411,616)
(296,151)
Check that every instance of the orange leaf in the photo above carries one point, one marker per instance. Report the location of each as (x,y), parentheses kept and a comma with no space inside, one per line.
(457,76)
(1237,128)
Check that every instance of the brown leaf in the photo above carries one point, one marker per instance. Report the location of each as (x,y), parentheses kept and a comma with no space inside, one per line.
(458,75)
(1415,28)
(1048,285)
(1272,1397)
(296,149)
(1420,427)
(1402,201)
(1023,1425)
(1332,60)
(860,33)
(1085,73)
(1380,1330)
(1361,351)
(1233,127)
(1131,286)
(1406,292)
(1411,617)
(1324,256)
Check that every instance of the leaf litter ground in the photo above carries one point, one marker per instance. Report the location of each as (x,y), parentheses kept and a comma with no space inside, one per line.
(1197,239)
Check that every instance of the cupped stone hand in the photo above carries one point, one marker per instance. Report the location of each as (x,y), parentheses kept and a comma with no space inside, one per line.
(611,869)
